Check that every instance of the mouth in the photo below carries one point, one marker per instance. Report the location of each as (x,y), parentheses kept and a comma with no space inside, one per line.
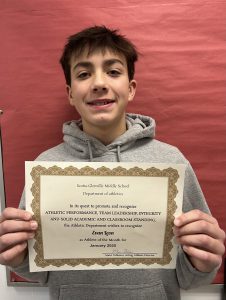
(100,102)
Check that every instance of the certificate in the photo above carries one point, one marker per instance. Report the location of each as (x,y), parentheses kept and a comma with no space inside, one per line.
(103,215)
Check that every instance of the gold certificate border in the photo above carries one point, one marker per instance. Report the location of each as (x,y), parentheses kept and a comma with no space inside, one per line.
(38,171)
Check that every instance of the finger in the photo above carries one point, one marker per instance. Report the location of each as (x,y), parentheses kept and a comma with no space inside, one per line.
(11,239)
(200,227)
(17,226)
(205,260)
(11,213)
(193,216)
(202,241)
(12,254)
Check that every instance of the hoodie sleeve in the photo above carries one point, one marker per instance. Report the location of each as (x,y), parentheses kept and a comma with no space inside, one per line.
(23,269)
(188,276)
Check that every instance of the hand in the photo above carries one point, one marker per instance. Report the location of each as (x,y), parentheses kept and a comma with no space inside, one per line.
(16,228)
(201,238)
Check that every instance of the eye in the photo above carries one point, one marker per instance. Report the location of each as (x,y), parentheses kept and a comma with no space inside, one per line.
(83,75)
(114,73)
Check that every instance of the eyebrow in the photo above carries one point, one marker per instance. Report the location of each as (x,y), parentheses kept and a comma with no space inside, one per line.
(107,63)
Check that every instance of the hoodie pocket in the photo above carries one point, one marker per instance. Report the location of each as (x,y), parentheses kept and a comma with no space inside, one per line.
(113,292)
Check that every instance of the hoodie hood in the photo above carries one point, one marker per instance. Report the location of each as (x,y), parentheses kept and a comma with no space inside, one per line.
(87,147)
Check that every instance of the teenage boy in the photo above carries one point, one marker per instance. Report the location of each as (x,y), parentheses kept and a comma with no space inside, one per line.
(98,64)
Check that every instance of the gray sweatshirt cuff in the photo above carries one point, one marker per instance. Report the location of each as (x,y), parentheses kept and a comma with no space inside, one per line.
(188,276)
(23,271)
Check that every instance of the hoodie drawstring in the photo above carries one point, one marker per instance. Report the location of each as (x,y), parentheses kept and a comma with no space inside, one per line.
(90,151)
(119,153)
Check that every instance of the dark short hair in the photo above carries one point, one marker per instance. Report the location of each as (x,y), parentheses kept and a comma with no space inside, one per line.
(95,38)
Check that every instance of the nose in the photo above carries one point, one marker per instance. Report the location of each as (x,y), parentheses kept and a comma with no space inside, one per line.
(99,83)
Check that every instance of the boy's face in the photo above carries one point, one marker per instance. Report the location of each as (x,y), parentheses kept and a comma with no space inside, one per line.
(100,90)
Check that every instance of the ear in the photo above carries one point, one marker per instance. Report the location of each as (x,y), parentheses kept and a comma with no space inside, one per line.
(69,94)
(132,89)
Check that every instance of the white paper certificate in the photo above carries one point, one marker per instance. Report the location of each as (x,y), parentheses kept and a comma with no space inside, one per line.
(103,215)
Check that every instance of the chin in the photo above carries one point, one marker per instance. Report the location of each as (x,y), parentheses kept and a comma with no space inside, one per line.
(104,120)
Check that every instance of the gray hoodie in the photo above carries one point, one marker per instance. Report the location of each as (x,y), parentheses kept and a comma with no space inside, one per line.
(137,144)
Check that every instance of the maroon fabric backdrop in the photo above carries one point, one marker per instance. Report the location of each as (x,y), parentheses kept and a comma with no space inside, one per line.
(181,78)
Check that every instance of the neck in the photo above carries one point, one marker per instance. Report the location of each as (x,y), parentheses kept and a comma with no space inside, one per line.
(106,135)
